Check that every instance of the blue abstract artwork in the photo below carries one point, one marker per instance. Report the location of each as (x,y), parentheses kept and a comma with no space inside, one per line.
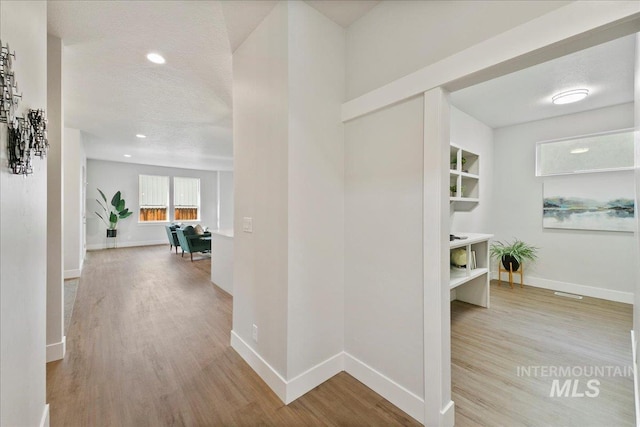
(598,201)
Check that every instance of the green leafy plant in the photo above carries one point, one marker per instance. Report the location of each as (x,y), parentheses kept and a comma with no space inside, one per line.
(454,161)
(517,251)
(454,188)
(114,212)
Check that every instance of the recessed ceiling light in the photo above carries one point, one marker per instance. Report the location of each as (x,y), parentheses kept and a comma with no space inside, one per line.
(579,150)
(156,58)
(569,96)
(127,155)
(139,135)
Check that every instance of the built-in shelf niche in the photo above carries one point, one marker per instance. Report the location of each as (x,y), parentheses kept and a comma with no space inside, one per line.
(464,177)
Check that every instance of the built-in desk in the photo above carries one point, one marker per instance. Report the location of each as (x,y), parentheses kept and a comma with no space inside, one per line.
(471,283)
(222,259)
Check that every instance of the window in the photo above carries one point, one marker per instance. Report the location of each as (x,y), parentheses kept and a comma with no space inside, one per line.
(154,198)
(601,152)
(186,199)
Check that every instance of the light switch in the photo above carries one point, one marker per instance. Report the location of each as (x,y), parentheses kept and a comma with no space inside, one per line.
(247,224)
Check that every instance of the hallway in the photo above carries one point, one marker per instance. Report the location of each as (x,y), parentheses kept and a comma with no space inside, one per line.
(148,345)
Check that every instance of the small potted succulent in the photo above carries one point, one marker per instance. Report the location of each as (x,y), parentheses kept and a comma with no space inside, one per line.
(513,254)
(113,213)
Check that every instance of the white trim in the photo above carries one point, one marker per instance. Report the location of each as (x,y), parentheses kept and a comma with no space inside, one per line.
(636,396)
(57,350)
(288,391)
(573,22)
(44,420)
(447,415)
(404,399)
(574,288)
(270,376)
(314,376)
(98,246)
(72,274)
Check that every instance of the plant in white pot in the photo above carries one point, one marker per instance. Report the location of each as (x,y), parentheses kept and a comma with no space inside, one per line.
(513,254)
(113,213)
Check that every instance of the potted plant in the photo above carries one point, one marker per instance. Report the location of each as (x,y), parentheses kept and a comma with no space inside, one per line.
(513,254)
(454,162)
(114,213)
(453,190)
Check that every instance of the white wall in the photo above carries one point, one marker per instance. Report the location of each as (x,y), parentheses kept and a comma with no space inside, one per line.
(383,242)
(288,154)
(114,176)
(260,151)
(74,160)
(23,237)
(636,301)
(587,258)
(55,206)
(316,189)
(397,38)
(225,200)
(471,134)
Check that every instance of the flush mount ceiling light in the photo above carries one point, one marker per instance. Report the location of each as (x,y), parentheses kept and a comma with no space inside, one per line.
(127,155)
(579,150)
(569,96)
(156,58)
(139,135)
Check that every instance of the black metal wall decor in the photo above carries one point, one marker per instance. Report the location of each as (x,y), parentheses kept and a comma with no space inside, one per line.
(8,86)
(27,136)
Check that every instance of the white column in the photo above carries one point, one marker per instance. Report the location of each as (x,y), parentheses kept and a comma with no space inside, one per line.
(55,207)
(439,409)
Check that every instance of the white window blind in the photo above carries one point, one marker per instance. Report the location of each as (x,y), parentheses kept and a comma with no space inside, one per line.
(154,190)
(153,197)
(186,192)
(186,198)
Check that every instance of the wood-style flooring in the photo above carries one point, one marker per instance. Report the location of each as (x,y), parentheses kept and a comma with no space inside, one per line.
(148,345)
(533,327)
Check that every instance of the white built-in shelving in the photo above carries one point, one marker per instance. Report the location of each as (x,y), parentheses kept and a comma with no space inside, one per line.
(471,282)
(464,175)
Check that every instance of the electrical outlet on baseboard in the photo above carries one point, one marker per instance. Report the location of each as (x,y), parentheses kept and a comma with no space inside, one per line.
(254,333)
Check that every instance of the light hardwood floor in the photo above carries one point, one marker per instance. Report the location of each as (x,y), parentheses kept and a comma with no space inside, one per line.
(148,345)
(534,327)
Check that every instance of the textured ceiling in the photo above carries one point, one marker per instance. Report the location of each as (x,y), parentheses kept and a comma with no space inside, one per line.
(243,16)
(524,96)
(112,93)
(343,12)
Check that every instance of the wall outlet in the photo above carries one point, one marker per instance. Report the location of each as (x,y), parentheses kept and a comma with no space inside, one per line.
(254,333)
(247,224)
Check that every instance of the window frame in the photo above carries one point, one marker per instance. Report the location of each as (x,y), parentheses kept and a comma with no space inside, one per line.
(198,206)
(167,207)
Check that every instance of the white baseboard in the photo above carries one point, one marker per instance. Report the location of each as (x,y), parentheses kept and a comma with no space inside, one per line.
(260,366)
(98,246)
(573,288)
(72,274)
(385,387)
(57,350)
(288,391)
(315,376)
(44,420)
(448,415)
